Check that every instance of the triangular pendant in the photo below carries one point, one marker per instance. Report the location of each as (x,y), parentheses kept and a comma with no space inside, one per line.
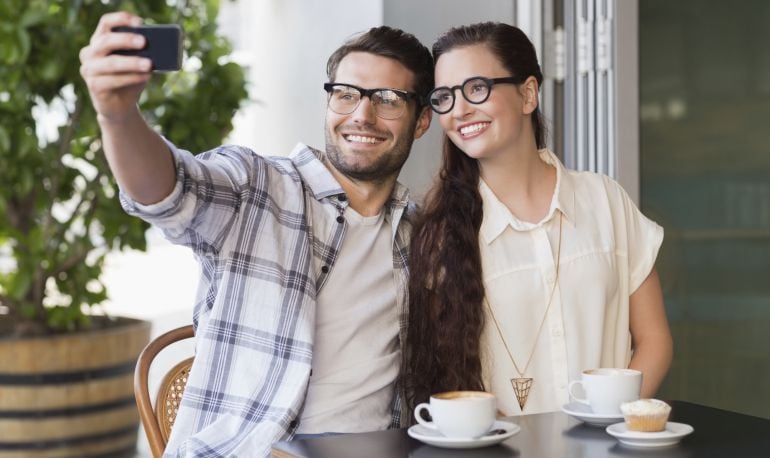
(521,387)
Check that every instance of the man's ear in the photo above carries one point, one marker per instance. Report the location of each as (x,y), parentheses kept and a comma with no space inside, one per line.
(529,90)
(423,122)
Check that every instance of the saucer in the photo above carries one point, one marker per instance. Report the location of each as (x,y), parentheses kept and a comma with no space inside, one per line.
(436,439)
(673,433)
(584,413)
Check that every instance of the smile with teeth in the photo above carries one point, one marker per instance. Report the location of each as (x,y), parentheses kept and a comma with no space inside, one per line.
(362,139)
(473,128)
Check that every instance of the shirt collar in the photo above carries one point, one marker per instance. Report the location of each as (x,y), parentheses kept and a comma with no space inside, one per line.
(321,182)
(497,216)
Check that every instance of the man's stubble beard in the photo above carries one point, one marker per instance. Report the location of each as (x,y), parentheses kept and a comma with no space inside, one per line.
(388,164)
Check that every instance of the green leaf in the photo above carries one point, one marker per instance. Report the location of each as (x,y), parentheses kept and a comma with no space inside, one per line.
(32,17)
(8,50)
(19,284)
(28,311)
(5,140)
(23,43)
(50,70)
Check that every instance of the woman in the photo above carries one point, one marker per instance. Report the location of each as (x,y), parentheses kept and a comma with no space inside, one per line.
(523,273)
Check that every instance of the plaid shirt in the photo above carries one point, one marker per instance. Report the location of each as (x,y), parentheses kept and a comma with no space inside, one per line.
(266,233)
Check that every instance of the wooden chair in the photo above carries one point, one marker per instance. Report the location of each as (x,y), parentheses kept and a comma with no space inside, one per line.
(157,422)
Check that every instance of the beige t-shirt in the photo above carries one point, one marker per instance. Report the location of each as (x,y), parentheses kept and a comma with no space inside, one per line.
(356,354)
(608,249)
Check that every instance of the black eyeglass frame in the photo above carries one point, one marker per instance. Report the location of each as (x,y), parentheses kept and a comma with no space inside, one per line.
(405,95)
(488,81)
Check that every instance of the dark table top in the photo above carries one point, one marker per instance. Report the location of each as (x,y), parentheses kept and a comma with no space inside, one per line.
(718,433)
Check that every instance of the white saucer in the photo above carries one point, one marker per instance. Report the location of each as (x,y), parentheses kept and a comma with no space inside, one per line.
(673,433)
(584,413)
(435,438)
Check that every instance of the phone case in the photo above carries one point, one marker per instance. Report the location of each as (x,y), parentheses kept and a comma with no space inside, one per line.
(163,45)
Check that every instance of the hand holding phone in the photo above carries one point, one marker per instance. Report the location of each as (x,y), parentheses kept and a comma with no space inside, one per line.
(163,45)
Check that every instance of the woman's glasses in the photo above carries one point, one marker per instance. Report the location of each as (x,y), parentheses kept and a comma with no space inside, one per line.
(475,89)
(387,103)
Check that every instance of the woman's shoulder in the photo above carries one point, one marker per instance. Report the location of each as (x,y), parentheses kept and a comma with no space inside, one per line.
(596,191)
(591,183)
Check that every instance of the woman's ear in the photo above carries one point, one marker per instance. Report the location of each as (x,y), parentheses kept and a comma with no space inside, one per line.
(529,90)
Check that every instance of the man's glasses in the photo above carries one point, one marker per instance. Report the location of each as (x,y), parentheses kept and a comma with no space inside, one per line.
(387,103)
(475,89)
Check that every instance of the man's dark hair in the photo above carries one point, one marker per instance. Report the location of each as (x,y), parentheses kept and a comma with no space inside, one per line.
(392,43)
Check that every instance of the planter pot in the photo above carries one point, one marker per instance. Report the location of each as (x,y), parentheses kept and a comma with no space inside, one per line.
(71,394)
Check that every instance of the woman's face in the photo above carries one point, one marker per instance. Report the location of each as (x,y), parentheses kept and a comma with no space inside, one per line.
(499,124)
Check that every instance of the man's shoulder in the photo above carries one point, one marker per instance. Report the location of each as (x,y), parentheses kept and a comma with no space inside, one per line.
(411,210)
(247,154)
(409,216)
(241,159)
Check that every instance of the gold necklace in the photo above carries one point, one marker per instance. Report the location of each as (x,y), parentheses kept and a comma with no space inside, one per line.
(521,384)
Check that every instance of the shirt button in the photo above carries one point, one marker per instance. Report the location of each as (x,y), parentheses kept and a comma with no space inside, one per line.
(293,424)
(340,219)
(325,269)
(342,197)
(556,332)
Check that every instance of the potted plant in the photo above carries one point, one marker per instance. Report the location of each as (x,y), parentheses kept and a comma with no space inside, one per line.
(65,371)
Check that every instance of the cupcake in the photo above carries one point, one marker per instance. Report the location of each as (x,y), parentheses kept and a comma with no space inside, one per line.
(648,415)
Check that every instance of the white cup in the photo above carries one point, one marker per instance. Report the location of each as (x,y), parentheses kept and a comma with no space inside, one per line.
(459,414)
(607,388)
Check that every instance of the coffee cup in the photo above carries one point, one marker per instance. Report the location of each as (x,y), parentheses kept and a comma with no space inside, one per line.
(459,414)
(607,388)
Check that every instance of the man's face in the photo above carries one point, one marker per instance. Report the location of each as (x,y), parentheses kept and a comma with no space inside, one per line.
(362,145)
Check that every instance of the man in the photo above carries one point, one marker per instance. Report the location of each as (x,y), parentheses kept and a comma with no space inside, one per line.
(302,302)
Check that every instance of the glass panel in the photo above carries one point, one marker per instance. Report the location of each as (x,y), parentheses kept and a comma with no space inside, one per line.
(705,177)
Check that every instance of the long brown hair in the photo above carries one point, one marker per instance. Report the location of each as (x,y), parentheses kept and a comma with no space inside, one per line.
(446,290)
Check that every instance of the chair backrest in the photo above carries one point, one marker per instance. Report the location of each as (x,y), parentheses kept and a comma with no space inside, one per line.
(157,422)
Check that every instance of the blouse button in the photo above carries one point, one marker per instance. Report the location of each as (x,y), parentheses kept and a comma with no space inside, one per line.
(340,219)
(325,269)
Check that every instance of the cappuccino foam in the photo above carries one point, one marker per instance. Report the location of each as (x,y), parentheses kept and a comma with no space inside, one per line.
(449,395)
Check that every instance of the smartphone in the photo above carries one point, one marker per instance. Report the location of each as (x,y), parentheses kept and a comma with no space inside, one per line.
(163,45)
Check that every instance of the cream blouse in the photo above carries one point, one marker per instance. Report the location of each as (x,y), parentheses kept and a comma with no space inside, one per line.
(608,249)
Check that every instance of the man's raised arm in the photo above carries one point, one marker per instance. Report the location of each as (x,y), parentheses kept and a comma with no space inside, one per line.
(138,156)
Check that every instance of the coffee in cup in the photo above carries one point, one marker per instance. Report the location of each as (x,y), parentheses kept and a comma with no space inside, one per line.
(607,388)
(459,414)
